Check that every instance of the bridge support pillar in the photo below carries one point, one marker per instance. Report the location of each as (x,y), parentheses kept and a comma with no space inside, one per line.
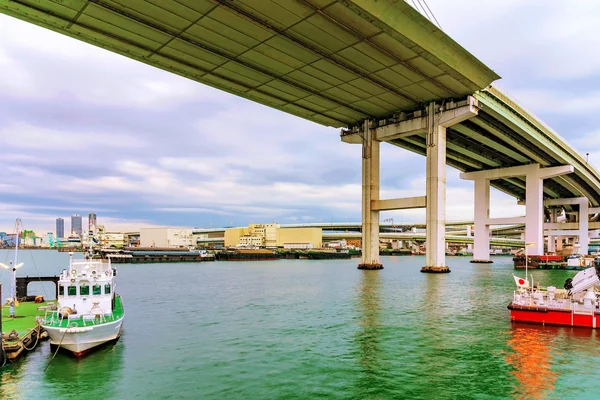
(432,122)
(481,252)
(435,249)
(552,238)
(370,194)
(469,234)
(582,218)
(534,204)
(534,212)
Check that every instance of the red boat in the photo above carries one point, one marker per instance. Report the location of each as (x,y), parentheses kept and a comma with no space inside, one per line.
(575,305)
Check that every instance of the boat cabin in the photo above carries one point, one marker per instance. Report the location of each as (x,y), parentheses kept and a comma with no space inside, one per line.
(87,287)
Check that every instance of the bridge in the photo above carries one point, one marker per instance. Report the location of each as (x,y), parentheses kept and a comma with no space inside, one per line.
(409,236)
(377,69)
(343,226)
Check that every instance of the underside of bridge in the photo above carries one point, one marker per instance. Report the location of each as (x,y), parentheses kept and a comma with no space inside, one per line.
(362,65)
(331,62)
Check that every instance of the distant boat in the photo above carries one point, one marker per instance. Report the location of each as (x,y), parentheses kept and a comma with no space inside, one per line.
(89,312)
(575,305)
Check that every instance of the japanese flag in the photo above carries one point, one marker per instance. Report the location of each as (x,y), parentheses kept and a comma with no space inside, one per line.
(521,283)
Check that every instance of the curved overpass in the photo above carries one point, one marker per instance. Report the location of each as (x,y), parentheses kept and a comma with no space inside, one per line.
(335,63)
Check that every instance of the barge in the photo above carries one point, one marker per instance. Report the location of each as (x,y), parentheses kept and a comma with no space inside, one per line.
(156,255)
(247,255)
(534,261)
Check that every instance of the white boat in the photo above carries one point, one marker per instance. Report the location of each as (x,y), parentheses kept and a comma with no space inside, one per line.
(89,312)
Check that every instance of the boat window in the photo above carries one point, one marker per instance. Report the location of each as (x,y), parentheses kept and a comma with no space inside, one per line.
(107,288)
(97,289)
(84,290)
(61,290)
(72,290)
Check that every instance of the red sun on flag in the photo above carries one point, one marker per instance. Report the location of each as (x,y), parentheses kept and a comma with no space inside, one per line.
(521,282)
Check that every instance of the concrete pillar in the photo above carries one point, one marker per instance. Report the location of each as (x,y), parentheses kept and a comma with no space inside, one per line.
(584,220)
(435,257)
(481,252)
(552,238)
(534,211)
(469,234)
(370,192)
(581,217)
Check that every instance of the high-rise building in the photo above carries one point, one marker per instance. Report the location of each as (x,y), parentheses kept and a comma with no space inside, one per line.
(92,222)
(76,226)
(60,228)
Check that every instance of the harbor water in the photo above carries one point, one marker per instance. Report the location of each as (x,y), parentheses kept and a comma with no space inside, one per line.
(305,329)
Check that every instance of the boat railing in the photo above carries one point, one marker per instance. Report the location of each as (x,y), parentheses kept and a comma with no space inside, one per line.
(577,308)
(54,318)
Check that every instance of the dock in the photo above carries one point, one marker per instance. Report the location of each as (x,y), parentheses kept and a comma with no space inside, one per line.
(22,333)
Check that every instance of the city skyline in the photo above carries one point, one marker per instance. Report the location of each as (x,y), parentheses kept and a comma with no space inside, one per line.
(207,158)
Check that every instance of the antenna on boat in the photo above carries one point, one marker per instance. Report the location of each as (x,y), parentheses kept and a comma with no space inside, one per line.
(70,258)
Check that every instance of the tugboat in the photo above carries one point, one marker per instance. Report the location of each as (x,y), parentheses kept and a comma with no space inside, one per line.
(575,305)
(89,312)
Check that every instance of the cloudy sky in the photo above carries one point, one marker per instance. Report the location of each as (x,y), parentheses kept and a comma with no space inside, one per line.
(82,129)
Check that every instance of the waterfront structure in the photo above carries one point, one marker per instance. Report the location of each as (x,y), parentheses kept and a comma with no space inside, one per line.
(60,228)
(272,235)
(76,225)
(112,239)
(368,67)
(166,237)
(92,223)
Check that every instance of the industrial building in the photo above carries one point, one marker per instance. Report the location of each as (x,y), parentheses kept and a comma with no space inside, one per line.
(272,235)
(166,237)
(112,239)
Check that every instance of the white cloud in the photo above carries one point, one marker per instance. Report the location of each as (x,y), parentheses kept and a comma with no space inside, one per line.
(554,101)
(26,136)
(548,38)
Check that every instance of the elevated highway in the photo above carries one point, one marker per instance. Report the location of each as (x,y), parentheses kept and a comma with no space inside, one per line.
(419,237)
(342,226)
(379,69)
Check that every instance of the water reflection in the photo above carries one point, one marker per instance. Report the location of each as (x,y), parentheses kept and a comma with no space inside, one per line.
(368,337)
(531,360)
(10,375)
(95,376)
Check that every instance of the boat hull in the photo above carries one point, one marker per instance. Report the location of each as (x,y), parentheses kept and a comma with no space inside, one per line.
(549,316)
(81,340)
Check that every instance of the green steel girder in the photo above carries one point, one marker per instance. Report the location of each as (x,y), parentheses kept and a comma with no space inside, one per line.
(473,146)
(397,16)
(365,38)
(524,125)
(505,134)
(477,133)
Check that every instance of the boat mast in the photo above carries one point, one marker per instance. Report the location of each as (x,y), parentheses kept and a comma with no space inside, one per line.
(13,270)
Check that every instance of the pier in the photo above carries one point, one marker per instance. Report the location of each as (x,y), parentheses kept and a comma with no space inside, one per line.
(22,333)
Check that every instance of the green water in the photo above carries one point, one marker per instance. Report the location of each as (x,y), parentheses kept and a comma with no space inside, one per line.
(300,329)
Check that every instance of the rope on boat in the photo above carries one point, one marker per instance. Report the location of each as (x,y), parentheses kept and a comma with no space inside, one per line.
(73,324)
(37,338)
